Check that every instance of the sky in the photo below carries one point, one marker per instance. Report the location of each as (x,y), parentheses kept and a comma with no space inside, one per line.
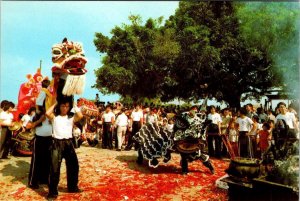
(30,28)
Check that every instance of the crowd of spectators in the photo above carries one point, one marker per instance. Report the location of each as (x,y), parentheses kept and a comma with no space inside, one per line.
(249,130)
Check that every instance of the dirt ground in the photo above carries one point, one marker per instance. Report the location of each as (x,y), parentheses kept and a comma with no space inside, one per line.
(111,175)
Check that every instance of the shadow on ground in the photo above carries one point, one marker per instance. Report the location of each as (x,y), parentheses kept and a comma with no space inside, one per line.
(163,168)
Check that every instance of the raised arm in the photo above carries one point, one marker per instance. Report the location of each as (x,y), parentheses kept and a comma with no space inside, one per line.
(78,113)
(50,111)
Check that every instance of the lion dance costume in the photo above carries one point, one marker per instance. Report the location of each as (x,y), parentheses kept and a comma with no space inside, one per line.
(68,70)
(187,139)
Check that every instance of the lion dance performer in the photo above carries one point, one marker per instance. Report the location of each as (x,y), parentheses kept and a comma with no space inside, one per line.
(69,79)
(187,139)
(68,74)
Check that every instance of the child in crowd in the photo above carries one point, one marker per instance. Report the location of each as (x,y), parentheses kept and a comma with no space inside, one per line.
(264,139)
(165,124)
(170,125)
(76,136)
(233,131)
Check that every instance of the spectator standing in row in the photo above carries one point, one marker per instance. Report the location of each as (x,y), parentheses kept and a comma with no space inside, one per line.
(289,119)
(151,117)
(271,115)
(256,126)
(245,127)
(214,139)
(121,124)
(136,122)
(263,117)
(108,119)
(6,120)
(233,133)
(250,110)
(226,118)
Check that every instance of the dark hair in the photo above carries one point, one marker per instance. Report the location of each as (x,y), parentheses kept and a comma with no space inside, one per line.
(31,109)
(3,103)
(45,83)
(211,107)
(8,105)
(267,125)
(243,111)
(20,116)
(64,40)
(281,103)
(256,118)
(57,108)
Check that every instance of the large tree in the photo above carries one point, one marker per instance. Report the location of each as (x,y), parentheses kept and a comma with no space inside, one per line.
(214,53)
(205,48)
(138,58)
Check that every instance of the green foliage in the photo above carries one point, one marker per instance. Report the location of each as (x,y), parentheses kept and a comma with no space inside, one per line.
(137,59)
(213,53)
(220,49)
(274,27)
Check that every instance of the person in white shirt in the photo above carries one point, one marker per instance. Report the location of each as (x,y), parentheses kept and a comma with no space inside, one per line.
(213,133)
(76,135)
(121,124)
(62,146)
(170,125)
(245,128)
(136,122)
(151,117)
(108,119)
(289,119)
(270,115)
(6,120)
(27,119)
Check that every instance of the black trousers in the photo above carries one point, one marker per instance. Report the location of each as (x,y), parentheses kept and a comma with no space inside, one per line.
(244,143)
(185,158)
(40,161)
(63,149)
(214,150)
(5,141)
(107,136)
(136,126)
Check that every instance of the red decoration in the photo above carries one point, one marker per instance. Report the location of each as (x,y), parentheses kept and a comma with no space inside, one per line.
(28,93)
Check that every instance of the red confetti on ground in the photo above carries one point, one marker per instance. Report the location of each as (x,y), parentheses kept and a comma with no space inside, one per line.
(110,175)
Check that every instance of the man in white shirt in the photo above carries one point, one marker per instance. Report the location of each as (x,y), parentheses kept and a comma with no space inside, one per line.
(136,122)
(62,146)
(121,124)
(245,127)
(108,119)
(6,120)
(289,119)
(214,132)
(151,117)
